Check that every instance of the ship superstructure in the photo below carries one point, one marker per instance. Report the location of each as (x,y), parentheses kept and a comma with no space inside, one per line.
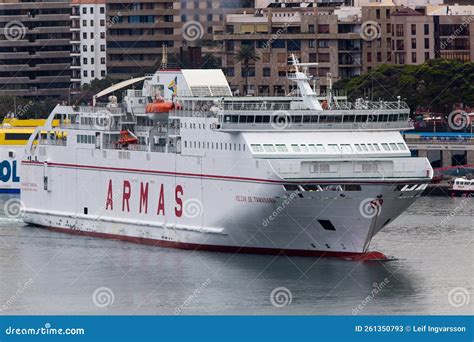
(184,163)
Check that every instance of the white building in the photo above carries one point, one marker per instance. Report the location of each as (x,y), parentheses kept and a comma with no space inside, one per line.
(89,43)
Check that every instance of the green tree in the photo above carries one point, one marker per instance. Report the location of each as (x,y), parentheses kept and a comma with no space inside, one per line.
(245,57)
(435,86)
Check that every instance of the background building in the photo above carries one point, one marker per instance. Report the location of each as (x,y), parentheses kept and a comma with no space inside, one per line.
(88,40)
(35,48)
(136,33)
(316,35)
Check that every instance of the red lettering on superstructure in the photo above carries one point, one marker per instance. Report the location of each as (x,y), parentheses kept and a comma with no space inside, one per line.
(161,201)
(126,195)
(144,197)
(110,199)
(178,210)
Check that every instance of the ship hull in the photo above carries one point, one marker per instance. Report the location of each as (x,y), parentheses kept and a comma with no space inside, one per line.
(198,211)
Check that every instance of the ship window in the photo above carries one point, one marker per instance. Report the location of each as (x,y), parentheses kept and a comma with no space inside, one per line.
(376,146)
(290,187)
(312,148)
(364,148)
(269,148)
(371,148)
(321,148)
(257,148)
(266,119)
(402,146)
(17,136)
(335,148)
(385,147)
(78,139)
(295,148)
(304,148)
(281,148)
(314,118)
(327,225)
(346,148)
(306,119)
(394,147)
(358,148)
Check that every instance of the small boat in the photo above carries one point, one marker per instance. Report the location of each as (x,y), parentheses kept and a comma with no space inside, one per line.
(462,187)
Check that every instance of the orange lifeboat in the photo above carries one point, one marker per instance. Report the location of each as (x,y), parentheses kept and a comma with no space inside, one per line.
(159,106)
(126,138)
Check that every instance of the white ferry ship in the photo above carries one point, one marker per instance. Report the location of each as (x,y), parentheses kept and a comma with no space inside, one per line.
(183,163)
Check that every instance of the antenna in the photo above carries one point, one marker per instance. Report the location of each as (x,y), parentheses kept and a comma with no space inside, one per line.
(164,58)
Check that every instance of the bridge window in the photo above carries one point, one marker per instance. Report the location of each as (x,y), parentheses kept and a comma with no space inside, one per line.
(385,147)
(281,148)
(394,147)
(358,148)
(364,148)
(304,148)
(335,148)
(402,146)
(321,148)
(295,148)
(377,148)
(371,148)
(269,148)
(346,148)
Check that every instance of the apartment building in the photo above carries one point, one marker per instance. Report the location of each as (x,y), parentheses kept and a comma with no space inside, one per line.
(407,36)
(327,36)
(136,33)
(88,40)
(35,48)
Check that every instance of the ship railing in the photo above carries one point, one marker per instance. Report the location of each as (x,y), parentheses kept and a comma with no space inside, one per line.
(285,125)
(100,108)
(437,141)
(136,147)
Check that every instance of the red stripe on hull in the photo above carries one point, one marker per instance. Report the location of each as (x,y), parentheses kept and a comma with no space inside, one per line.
(210,176)
(367,256)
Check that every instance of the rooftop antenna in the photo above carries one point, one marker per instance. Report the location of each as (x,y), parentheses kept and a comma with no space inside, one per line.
(164,58)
